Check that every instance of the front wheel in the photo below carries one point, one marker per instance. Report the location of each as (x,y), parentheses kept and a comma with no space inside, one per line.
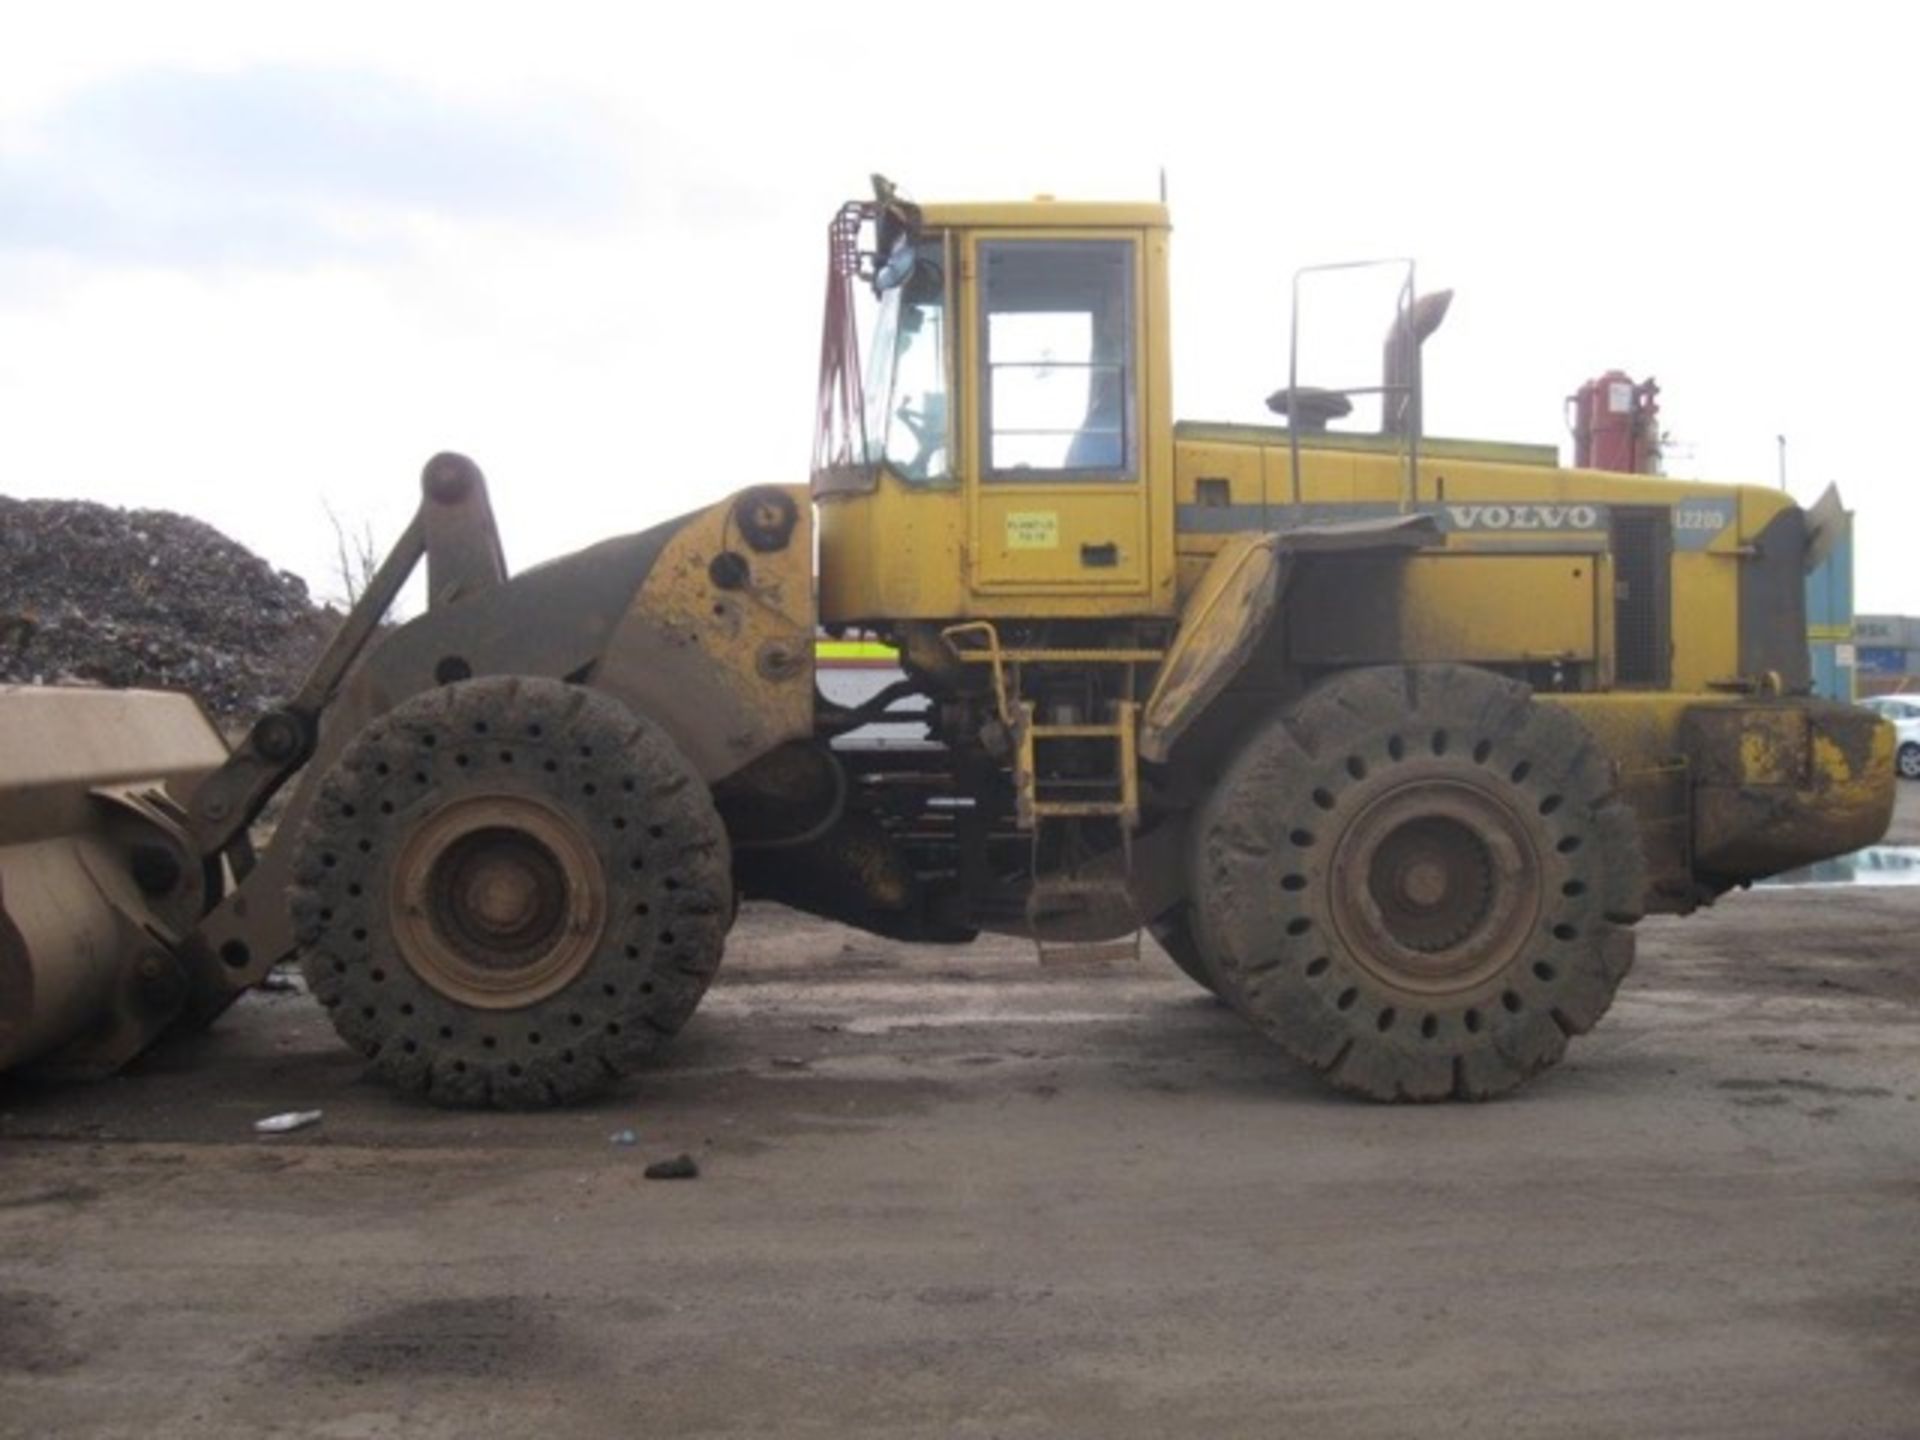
(1418,882)
(1909,761)
(509,891)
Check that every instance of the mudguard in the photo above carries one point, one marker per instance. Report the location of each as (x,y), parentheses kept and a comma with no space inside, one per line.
(1235,602)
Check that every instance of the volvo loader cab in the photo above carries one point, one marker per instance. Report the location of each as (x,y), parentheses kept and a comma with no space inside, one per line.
(1010,453)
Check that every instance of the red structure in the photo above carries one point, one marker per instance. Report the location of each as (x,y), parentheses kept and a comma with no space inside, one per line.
(1616,424)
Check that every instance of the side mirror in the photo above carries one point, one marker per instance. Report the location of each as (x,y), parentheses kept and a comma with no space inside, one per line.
(898,269)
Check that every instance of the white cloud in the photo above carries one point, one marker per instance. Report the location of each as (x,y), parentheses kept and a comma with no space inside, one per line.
(631,328)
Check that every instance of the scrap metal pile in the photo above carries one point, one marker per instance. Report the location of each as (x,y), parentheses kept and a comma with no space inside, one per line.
(96,595)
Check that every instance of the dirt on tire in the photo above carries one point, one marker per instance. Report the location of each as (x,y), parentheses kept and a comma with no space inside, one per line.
(1174,932)
(1463,1002)
(664,890)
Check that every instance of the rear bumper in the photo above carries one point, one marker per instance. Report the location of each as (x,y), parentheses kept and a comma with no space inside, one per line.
(1780,784)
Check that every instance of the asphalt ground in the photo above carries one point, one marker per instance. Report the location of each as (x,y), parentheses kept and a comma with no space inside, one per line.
(945,1192)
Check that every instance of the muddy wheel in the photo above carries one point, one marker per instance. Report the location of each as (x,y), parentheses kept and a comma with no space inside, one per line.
(510,891)
(1175,933)
(1418,882)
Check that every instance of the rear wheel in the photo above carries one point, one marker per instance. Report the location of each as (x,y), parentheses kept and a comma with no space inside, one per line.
(1174,931)
(1909,760)
(1417,881)
(509,891)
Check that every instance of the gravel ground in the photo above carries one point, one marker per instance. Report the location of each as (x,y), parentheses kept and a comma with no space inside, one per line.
(95,595)
(943,1192)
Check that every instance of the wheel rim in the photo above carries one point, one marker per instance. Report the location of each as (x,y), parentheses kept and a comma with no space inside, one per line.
(1436,886)
(1910,762)
(498,901)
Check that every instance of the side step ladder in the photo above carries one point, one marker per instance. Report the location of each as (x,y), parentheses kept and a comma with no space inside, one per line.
(1045,806)
(1057,899)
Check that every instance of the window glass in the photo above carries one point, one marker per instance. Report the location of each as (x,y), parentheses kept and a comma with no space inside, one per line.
(906,391)
(1059,354)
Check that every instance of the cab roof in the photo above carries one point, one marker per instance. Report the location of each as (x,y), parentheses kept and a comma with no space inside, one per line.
(1047,214)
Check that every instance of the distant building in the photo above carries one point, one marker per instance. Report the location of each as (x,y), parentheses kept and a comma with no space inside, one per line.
(1830,627)
(1886,651)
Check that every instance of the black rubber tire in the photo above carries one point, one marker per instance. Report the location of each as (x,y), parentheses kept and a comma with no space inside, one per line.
(1174,932)
(1271,922)
(1909,761)
(639,807)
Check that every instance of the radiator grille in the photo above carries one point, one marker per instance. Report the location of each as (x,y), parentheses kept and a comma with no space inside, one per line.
(1642,576)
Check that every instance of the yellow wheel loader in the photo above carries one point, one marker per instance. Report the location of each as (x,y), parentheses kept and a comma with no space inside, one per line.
(1389,738)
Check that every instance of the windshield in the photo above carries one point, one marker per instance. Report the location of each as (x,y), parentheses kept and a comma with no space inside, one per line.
(906,389)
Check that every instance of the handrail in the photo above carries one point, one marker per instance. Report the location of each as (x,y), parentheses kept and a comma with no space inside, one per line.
(1410,389)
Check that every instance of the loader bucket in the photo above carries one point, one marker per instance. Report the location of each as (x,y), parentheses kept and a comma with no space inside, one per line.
(99,884)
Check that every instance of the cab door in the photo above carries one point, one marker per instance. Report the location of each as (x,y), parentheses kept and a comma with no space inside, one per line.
(1057,449)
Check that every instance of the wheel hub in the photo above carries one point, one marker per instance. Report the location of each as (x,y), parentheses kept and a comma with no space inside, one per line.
(503,897)
(1423,884)
(1431,879)
(1435,885)
(498,901)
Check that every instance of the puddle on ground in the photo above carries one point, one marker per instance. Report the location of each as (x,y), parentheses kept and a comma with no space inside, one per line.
(1875,865)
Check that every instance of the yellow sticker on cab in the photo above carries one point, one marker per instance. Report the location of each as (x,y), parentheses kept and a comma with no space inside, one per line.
(1033,530)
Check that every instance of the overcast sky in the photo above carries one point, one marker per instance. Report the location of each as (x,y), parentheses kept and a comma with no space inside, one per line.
(259,261)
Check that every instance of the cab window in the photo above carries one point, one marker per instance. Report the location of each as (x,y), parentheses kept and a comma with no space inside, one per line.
(906,391)
(1058,329)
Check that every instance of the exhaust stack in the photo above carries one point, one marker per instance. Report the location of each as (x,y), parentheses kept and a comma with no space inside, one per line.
(1400,372)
